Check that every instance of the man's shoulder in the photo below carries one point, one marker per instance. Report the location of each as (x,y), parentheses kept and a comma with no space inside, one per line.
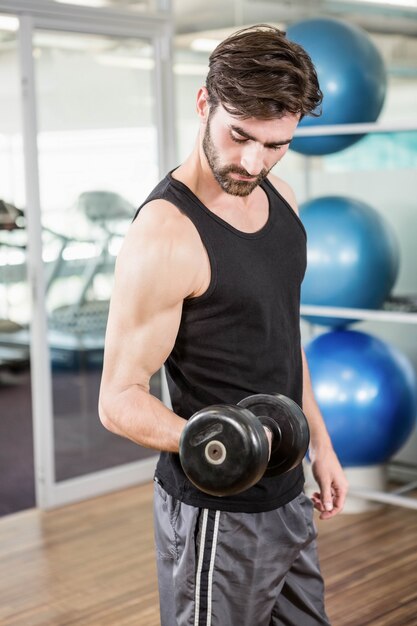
(285,190)
(161,229)
(165,201)
(159,254)
(156,209)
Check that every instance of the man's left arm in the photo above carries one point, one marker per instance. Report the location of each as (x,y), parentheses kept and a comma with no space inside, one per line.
(325,465)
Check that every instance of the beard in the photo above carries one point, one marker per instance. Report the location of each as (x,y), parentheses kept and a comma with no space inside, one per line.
(222,173)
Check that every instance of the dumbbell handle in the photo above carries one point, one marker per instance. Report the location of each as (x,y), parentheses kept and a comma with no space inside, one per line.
(270,438)
(273,428)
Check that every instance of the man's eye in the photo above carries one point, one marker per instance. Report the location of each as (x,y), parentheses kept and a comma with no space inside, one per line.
(237,140)
(275,147)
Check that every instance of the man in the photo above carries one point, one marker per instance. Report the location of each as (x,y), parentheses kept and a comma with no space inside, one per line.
(208,282)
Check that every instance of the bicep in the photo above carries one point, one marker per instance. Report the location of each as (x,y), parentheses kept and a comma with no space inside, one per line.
(151,282)
(138,341)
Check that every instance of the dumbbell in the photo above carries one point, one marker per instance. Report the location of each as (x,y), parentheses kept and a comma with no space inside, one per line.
(224,448)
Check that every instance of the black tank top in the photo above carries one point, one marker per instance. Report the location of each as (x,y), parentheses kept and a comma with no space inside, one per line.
(241,337)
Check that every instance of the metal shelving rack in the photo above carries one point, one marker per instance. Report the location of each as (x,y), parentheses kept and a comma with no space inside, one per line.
(397,317)
(395,497)
(356,129)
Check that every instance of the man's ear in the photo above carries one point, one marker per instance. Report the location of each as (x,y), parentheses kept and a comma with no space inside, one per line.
(202,104)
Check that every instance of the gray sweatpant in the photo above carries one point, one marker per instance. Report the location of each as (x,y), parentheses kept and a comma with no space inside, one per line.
(237,569)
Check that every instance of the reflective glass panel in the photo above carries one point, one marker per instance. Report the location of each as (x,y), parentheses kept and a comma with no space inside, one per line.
(16,436)
(98,161)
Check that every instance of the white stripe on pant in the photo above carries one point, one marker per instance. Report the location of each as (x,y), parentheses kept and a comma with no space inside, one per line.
(199,568)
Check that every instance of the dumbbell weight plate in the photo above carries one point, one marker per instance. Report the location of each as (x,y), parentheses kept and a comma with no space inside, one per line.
(223,450)
(291,436)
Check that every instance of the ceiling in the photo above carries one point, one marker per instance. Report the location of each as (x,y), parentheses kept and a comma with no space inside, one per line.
(390,16)
(391,23)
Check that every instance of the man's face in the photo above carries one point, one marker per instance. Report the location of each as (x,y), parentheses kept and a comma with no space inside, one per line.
(241,152)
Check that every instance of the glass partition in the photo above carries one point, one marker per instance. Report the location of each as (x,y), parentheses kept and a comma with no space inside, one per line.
(98,161)
(17,489)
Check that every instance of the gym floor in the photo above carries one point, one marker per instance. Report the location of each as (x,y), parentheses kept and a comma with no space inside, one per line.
(92,564)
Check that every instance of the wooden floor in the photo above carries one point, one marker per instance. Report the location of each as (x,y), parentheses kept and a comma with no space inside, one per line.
(92,564)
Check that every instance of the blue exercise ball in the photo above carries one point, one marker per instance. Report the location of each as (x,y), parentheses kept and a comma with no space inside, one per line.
(367,392)
(352,77)
(352,256)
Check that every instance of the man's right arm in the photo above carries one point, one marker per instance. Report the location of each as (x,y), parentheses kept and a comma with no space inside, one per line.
(155,271)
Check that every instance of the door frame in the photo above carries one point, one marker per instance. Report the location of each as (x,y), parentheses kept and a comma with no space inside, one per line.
(49,15)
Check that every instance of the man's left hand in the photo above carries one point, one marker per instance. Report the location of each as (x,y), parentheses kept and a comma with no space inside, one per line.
(331,480)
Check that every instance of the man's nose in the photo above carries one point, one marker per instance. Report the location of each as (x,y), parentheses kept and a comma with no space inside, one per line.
(252,159)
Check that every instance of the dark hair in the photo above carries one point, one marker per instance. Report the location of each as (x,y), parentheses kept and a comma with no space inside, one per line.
(258,72)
